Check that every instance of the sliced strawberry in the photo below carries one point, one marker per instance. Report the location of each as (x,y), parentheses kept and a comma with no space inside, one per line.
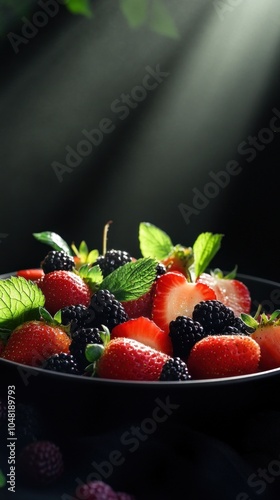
(30,274)
(218,356)
(146,331)
(175,296)
(268,338)
(232,292)
(128,359)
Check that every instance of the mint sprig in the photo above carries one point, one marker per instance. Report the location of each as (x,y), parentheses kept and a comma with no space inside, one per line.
(20,300)
(154,242)
(53,240)
(205,248)
(132,280)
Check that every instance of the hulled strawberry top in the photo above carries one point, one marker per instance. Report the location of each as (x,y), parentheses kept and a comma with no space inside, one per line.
(160,316)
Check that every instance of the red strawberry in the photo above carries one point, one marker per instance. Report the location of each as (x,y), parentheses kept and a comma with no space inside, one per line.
(179,259)
(141,306)
(34,341)
(128,359)
(218,356)
(232,292)
(31,274)
(176,296)
(63,288)
(146,331)
(267,335)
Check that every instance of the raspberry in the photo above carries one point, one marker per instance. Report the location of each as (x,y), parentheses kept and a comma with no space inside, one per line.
(174,369)
(111,260)
(184,333)
(41,463)
(105,310)
(96,490)
(57,261)
(80,339)
(62,363)
(213,315)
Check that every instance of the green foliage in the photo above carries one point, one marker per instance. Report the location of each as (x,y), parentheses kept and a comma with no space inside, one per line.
(151,13)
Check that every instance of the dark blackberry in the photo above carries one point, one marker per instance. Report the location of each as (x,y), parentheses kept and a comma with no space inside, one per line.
(213,315)
(57,261)
(184,333)
(105,310)
(241,327)
(40,463)
(174,369)
(111,260)
(80,339)
(62,363)
(160,269)
(75,315)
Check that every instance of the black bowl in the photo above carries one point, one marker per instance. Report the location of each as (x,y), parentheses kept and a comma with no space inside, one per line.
(81,404)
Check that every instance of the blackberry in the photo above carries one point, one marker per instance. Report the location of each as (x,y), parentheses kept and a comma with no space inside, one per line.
(174,369)
(57,261)
(62,363)
(241,327)
(111,260)
(104,309)
(184,333)
(75,315)
(213,315)
(80,339)
(160,269)
(41,463)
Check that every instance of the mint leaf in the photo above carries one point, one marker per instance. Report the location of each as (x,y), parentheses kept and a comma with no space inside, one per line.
(204,249)
(20,300)
(154,242)
(79,7)
(54,240)
(161,20)
(131,280)
(135,11)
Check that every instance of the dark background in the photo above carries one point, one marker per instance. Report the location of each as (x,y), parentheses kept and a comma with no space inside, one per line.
(222,85)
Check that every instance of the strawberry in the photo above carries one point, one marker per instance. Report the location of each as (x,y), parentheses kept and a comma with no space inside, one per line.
(176,296)
(267,334)
(128,359)
(64,288)
(218,356)
(179,260)
(146,331)
(31,274)
(141,306)
(232,292)
(34,341)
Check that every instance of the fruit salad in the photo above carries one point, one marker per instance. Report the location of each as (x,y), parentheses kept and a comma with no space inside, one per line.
(164,316)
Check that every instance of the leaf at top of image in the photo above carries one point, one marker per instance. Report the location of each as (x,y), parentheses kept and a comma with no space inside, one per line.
(135,11)
(82,7)
(161,20)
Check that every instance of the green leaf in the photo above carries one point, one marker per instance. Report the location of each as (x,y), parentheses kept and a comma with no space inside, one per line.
(204,249)
(54,240)
(79,7)
(154,242)
(249,320)
(161,20)
(135,11)
(131,280)
(20,300)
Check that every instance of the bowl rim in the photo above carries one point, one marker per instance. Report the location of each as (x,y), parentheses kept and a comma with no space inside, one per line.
(152,384)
